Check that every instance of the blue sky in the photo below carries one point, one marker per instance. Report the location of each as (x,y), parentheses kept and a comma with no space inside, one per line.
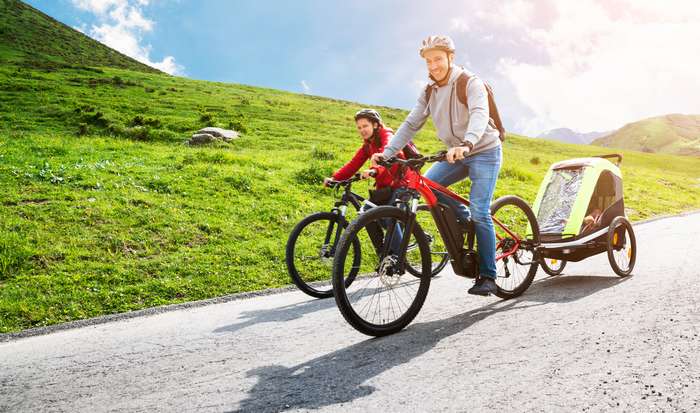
(588,64)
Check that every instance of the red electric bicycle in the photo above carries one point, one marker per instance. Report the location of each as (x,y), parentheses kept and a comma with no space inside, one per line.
(385,297)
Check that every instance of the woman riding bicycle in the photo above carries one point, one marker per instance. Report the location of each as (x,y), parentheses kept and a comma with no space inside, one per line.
(374,136)
(312,242)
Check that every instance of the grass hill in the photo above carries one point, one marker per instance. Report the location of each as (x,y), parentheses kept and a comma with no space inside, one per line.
(674,134)
(104,209)
(33,39)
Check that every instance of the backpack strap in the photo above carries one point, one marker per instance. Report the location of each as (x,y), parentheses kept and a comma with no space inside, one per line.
(428,92)
(494,116)
(462,82)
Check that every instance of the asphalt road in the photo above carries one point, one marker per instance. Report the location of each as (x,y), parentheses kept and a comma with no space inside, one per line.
(587,341)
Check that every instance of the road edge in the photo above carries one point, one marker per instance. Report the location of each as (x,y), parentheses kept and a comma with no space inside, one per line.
(70,325)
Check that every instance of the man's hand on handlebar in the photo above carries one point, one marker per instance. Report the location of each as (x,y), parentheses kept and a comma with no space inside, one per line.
(457,153)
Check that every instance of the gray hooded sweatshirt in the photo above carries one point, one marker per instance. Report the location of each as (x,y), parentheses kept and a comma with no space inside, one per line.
(455,124)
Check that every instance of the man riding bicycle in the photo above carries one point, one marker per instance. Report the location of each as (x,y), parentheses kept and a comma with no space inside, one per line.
(473,141)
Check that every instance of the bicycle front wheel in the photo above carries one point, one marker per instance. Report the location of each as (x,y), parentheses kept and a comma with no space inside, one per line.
(310,250)
(383,299)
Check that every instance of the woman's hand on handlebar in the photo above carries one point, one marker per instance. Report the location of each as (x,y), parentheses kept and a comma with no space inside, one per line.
(376,158)
(369,173)
(327,181)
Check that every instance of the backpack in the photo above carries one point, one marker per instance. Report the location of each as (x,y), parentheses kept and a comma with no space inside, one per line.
(495,118)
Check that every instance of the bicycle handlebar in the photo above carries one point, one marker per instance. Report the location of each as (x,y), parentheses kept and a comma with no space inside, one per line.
(414,162)
(346,182)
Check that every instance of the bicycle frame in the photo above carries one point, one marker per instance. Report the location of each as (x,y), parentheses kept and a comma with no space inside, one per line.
(447,225)
(348,197)
(340,207)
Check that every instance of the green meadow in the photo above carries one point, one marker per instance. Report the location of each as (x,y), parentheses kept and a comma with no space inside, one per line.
(105,209)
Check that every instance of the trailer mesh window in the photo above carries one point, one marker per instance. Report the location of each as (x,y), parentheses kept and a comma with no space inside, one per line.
(559,198)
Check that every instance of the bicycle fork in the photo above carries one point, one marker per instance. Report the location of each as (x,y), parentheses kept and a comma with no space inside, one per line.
(405,238)
(330,252)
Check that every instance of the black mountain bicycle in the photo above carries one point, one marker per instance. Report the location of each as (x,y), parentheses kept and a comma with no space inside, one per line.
(312,244)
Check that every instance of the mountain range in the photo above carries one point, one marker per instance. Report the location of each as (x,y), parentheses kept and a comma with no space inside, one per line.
(570,136)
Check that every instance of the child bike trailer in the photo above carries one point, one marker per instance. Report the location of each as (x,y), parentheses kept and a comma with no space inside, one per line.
(581,212)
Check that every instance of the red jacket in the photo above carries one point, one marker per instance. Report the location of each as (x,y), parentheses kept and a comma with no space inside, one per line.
(384,176)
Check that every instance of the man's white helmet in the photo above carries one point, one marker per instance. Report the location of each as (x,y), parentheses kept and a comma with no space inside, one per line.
(437,43)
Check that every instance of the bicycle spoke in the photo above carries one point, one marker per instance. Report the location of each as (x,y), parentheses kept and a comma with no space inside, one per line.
(381,295)
(514,231)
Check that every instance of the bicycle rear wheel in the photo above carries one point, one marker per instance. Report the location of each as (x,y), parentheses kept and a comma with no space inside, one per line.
(310,250)
(383,299)
(516,239)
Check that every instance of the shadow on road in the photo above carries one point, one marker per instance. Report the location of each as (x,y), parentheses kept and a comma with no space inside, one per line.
(338,377)
(279,314)
(567,288)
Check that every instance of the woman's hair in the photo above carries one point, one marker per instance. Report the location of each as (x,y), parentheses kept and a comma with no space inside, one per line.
(375,136)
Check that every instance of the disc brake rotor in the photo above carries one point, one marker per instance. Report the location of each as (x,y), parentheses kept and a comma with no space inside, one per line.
(387,271)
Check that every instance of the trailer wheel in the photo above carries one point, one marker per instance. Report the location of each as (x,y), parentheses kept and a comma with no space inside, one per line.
(622,246)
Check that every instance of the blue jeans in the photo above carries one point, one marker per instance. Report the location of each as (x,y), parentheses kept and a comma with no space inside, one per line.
(482,169)
(398,233)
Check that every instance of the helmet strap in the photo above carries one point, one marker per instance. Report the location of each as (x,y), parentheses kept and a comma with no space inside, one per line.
(444,79)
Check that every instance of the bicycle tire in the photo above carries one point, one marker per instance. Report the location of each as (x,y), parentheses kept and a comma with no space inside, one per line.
(313,284)
(516,289)
(349,302)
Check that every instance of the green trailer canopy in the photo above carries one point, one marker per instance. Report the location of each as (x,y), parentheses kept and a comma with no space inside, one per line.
(574,188)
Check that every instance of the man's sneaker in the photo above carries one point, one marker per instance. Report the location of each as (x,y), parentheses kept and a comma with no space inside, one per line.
(484,286)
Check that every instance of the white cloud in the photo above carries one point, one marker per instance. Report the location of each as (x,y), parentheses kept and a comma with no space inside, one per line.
(168,65)
(609,64)
(459,25)
(306,87)
(121,25)
(98,6)
(130,17)
(82,28)
(512,13)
